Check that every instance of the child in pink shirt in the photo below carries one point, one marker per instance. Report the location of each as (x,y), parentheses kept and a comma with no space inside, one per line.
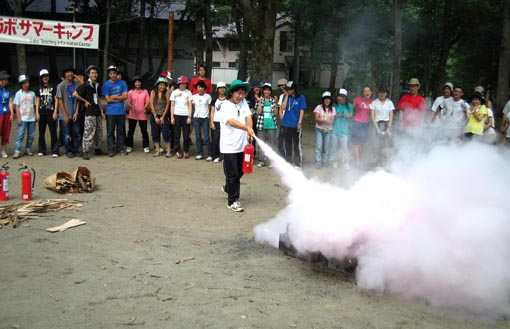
(137,105)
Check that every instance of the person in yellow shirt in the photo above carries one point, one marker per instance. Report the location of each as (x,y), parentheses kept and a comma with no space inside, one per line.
(476,115)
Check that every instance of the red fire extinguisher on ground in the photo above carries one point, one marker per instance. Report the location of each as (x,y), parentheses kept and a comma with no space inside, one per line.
(249,151)
(4,182)
(27,182)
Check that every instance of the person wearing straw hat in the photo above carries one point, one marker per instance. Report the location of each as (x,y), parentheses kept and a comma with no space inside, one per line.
(412,106)
(236,132)
(24,106)
(476,115)
(45,109)
(6,113)
(216,104)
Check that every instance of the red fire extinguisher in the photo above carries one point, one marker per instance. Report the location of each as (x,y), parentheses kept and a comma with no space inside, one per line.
(249,150)
(4,182)
(27,183)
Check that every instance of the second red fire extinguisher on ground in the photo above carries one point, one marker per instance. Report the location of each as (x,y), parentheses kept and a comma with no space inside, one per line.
(249,151)
(27,182)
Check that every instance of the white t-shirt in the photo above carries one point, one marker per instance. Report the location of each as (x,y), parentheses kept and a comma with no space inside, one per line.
(438,103)
(201,103)
(217,109)
(26,105)
(181,99)
(382,110)
(454,113)
(233,140)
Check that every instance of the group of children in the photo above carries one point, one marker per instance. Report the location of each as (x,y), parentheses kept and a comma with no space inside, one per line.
(340,123)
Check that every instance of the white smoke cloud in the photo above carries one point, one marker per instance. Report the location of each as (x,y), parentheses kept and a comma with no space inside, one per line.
(437,229)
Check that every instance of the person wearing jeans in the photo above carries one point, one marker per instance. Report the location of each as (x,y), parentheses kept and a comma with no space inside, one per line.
(324,116)
(340,136)
(116,92)
(66,106)
(24,106)
(201,102)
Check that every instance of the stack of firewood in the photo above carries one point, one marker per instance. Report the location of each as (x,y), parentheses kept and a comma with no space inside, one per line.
(13,214)
(81,180)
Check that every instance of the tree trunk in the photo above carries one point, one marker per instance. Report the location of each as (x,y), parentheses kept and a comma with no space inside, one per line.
(52,53)
(395,90)
(297,33)
(209,41)
(504,60)
(332,77)
(149,39)
(244,39)
(444,48)
(20,49)
(141,39)
(198,41)
(262,22)
(107,38)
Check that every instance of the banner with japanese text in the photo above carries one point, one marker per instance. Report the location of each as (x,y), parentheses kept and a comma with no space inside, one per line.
(40,32)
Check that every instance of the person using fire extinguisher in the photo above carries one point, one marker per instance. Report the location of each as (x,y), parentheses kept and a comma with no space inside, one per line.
(236,131)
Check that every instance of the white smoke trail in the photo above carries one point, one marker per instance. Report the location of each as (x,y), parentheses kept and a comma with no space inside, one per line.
(439,230)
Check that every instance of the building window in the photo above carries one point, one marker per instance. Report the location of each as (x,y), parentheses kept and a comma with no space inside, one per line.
(216,64)
(286,41)
(216,46)
(233,45)
(232,65)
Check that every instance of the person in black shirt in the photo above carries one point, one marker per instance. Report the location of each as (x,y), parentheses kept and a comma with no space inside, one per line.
(45,108)
(89,94)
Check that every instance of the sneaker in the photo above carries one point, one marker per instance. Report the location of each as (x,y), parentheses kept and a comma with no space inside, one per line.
(70,155)
(216,160)
(156,154)
(123,152)
(86,156)
(161,150)
(28,152)
(111,154)
(4,154)
(260,164)
(146,150)
(270,166)
(198,157)
(178,155)
(209,159)
(236,206)
(129,149)
(168,154)
(186,155)
(16,155)
(54,155)
(40,154)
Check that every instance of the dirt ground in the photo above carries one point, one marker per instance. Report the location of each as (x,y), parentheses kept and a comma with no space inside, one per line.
(160,250)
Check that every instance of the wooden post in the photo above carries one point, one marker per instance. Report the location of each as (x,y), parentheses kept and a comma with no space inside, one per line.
(170,66)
